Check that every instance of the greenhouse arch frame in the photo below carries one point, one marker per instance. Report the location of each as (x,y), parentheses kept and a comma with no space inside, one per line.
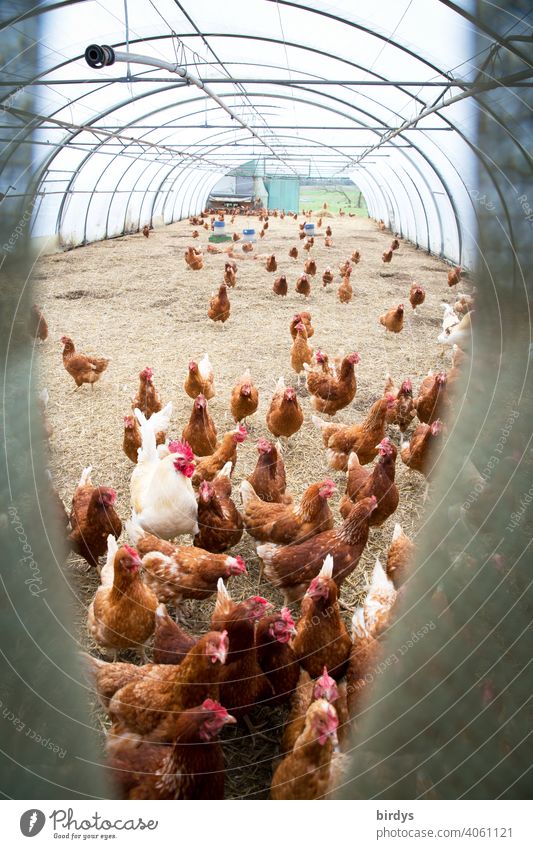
(121,147)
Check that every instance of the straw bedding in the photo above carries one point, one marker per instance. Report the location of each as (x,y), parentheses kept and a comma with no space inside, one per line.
(133,299)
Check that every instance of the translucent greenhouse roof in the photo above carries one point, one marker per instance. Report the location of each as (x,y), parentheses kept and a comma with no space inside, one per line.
(380,93)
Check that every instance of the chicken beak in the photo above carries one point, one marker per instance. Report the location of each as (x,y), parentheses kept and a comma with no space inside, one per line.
(220,656)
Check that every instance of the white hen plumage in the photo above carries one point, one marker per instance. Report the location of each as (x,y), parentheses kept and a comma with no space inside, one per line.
(162,497)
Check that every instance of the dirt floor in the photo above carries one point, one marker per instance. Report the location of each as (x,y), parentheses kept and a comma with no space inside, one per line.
(134,299)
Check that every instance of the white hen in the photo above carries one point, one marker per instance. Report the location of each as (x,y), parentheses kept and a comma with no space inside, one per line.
(459,334)
(159,423)
(450,317)
(162,497)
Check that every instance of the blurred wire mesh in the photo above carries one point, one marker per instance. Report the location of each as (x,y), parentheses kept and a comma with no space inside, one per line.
(450,715)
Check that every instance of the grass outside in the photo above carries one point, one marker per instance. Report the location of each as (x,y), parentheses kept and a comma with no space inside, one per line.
(336,196)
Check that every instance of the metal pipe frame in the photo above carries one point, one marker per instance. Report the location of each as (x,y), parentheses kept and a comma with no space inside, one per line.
(507,43)
(300,46)
(387,82)
(267,40)
(315,104)
(344,115)
(139,59)
(291,44)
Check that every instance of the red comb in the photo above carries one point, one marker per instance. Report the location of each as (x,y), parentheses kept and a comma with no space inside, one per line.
(210,704)
(286,617)
(183,448)
(325,679)
(240,434)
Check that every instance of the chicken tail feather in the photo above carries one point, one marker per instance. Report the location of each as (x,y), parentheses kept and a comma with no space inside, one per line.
(91,666)
(134,531)
(107,573)
(223,602)
(379,576)
(397,532)
(204,366)
(353,460)
(161,420)
(248,493)
(148,450)
(359,628)
(267,552)
(327,567)
(86,476)
(225,471)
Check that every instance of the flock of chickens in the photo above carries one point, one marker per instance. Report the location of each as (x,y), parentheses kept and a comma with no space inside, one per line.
(166,715)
